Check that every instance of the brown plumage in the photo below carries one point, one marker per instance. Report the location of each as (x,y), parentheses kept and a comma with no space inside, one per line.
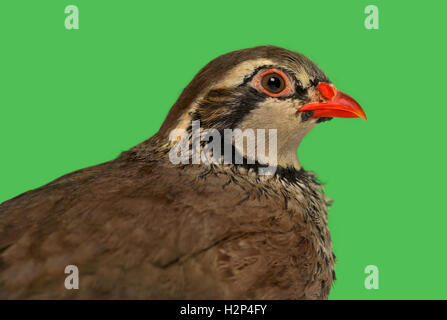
(140,227)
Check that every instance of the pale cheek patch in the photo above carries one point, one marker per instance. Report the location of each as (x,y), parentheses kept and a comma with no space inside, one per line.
(273,114)
(282,116)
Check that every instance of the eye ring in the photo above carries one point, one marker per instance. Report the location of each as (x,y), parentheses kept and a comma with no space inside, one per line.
(273,82)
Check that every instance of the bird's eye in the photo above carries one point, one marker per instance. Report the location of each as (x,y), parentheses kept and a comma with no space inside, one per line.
(273,82)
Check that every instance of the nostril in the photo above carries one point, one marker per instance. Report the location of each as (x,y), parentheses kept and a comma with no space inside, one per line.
(327,90)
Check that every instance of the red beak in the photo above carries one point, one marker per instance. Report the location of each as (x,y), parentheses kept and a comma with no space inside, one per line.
(340,104)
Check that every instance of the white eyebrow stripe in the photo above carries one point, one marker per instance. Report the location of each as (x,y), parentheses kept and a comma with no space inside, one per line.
(237,75)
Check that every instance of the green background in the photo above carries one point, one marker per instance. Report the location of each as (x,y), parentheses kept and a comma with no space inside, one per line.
(71,99)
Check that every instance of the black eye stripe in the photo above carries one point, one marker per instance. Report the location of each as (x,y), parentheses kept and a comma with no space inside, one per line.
(299,88)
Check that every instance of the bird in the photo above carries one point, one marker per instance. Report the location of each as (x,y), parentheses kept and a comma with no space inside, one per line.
(143,226)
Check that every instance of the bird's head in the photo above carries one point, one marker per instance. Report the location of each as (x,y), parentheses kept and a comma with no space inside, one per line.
(262,88)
